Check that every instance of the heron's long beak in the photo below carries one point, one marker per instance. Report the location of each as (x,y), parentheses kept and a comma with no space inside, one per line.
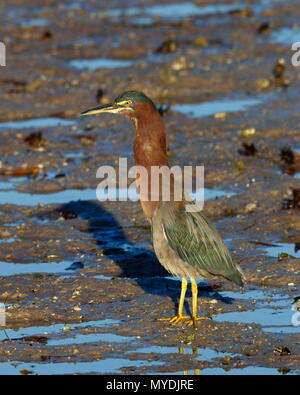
(111,107)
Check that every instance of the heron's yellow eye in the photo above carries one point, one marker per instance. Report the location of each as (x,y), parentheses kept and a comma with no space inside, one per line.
(124,103)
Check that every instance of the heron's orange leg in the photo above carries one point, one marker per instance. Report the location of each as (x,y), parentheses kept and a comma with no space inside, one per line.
(179,317)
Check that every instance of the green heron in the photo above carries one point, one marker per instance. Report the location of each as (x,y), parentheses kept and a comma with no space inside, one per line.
(185,243)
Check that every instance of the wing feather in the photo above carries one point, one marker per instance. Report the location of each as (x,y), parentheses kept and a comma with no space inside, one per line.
(197,242)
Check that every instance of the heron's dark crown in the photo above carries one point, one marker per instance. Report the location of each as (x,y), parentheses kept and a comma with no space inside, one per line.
(135,97)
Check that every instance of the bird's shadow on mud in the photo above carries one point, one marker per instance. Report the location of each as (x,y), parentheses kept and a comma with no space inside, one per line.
(136,263)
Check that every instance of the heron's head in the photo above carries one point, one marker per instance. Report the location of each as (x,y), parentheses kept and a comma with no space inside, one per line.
(129,103)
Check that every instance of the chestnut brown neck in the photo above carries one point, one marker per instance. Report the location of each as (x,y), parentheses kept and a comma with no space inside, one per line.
(149,146)
(150,137)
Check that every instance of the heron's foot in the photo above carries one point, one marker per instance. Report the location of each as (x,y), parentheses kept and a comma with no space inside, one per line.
(176,319)
(193,320)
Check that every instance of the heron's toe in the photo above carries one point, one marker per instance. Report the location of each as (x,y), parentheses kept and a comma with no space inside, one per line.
(176,319)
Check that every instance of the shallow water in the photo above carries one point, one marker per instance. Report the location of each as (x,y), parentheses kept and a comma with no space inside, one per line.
(110,365)
(210,108)
(9,240)
(91,338)
(9,269)
(6,185)
(63,197)
(35,22)
(286,248)
(36,123)
(180,10)
(11,183)
(249,370)
(100,63)
(53,329)
(200,354)
(271,320)
(286,36)
(262,5)
(142,20)
(184,10)
(271,311)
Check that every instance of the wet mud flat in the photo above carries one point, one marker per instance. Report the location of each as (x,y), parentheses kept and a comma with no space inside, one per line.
(81,285)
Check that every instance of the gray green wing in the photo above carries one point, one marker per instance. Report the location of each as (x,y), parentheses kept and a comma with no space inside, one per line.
(196,241)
